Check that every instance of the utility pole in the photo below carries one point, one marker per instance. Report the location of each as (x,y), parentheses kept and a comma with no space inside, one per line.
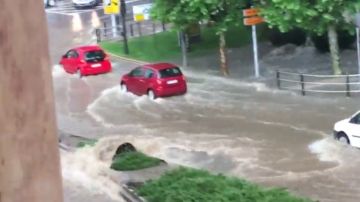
(29,154)
(123,21)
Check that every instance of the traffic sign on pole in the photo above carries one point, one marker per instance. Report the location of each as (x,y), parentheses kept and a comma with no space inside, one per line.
(252,18)
(250,12)
(111,7)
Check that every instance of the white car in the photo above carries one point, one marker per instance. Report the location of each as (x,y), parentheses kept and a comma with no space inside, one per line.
(85,3)
(348,130)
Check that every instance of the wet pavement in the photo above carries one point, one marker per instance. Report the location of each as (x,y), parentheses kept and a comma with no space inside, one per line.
(226,125)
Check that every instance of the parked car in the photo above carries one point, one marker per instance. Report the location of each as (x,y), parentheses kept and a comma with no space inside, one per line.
(155,80)
(86,60)
(348,130)
(85,3)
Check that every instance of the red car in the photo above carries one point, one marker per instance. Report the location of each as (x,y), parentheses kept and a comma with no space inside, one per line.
(86,60)
(155,80)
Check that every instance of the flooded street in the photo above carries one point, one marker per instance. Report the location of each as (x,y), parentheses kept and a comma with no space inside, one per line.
(248,130)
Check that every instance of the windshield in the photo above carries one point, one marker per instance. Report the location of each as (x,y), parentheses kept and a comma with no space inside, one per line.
(94,56)
(170,72)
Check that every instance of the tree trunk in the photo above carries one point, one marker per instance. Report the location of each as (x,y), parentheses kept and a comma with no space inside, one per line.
(223,58)
(183,49)
(334,49)
(29,154)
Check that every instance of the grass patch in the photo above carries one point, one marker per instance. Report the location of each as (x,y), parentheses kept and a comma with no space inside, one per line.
(128,161)
(190,185)
(90,142)
(164,46)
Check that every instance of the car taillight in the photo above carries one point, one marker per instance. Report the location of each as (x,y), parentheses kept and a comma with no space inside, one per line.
(158,81)
(82,61)
(183,77)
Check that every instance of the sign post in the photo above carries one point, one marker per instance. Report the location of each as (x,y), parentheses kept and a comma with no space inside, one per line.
(111,7)
(141,12)
(251,19)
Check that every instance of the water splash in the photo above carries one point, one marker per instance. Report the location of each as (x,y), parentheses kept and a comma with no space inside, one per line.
(95,19)
(77,25)
(83,167)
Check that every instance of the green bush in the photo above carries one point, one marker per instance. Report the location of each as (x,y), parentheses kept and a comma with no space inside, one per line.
(295,36)
(90,142)
(345,40)
(190,185)
(133,161)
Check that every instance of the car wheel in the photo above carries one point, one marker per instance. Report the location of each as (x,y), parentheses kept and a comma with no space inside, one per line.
(123,88)
(343,139)
(151,94)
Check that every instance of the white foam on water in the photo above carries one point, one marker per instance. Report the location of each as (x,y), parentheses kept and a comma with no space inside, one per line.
(216,80)
(84,168)
(92,108)
(58,71)
(76,23)
(330,150)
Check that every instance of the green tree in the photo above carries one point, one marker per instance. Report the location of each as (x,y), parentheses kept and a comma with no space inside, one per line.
(222,13)
(318,16)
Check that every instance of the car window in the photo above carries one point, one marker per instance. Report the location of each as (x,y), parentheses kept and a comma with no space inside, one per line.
(136,72)
(149,73)
(94,56)
(355,119)
(170,72)
(72,54)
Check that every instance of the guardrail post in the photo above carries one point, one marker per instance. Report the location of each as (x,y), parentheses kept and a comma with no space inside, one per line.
(302,84)
(132,29)
(347,85)
(98,35)
(278,79)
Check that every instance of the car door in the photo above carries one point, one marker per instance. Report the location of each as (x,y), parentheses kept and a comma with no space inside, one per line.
(145,82)
(74,61)
(354,130)
(134,80)
(69,61)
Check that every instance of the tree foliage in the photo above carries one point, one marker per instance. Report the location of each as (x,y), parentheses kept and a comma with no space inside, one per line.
(317,16)
(182,13)
(312,15)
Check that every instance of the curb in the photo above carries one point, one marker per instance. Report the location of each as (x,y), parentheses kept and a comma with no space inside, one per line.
(130,195)
(127,59)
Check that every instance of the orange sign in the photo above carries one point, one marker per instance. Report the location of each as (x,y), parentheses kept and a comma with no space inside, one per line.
(253,20)
(250,12)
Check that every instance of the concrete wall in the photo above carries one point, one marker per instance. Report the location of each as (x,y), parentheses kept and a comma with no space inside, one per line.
(29,156)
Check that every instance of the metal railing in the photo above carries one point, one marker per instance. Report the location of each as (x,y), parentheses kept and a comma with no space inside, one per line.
(134,29)
(108,33)
(304,83)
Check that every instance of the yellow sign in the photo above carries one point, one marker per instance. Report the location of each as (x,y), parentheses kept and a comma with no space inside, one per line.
(139,17)
(111,7)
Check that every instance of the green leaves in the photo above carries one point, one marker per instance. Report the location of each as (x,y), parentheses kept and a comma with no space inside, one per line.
(182,13)
(312,15)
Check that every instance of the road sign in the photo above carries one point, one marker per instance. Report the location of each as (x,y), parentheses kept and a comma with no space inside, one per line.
(141,12)
(250,12)
(111,7)
(253,20)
